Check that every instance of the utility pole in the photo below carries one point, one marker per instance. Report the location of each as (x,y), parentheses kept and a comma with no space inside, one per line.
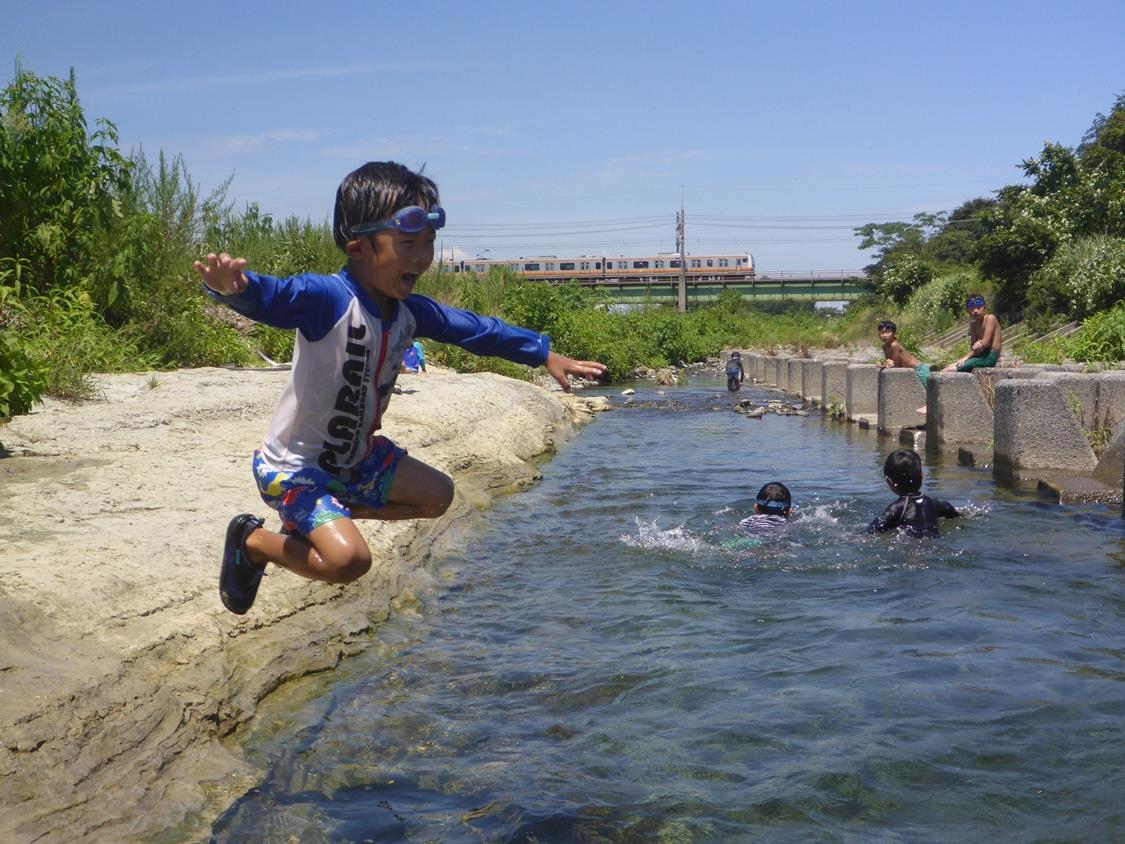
(680,248)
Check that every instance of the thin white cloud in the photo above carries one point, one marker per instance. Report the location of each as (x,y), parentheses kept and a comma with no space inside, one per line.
(203,83)
(257,141)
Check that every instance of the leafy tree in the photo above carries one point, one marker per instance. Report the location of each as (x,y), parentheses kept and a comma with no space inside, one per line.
(905,274)
(62,189)
(1072,194)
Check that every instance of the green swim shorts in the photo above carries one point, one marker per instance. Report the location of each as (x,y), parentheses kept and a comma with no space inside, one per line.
(978,362)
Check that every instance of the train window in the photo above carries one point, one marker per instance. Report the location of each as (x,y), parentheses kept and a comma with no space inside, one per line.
(566,266)
(674,264)
(659,265)
(531,268)
(723,262)
(549,267)
(597,265)
(710,263)
(640,265)
(695,262)
(585,265)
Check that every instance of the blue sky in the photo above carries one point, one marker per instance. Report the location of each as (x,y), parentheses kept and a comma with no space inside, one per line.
(578,128)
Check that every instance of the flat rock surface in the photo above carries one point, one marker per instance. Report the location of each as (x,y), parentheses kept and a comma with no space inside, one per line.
(120,669)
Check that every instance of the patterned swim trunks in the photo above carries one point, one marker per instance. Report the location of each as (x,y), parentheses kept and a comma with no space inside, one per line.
(310,497)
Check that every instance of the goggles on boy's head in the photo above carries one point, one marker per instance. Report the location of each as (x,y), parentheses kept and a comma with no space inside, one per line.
(974,302)
(772,505)
(887,325)
(411,220)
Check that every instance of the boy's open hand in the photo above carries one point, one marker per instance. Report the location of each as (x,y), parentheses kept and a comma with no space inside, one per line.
(560,366)
(222,273)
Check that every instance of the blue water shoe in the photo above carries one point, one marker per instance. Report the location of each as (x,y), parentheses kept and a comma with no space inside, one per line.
(239,579)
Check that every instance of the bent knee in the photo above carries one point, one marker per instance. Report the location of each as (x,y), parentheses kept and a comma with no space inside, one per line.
(439,500)
(349,568)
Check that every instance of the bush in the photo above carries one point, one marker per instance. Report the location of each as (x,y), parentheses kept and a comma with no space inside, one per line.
(905,274)
(1101,337)
(23,379)
(941,300)
(1083,277)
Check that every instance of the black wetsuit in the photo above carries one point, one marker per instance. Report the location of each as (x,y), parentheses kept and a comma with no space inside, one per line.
(917,514)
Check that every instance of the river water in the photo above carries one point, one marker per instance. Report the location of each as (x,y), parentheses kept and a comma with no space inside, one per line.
(600,665)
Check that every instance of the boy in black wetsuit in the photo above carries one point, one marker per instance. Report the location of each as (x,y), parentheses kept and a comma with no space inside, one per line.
(917,514)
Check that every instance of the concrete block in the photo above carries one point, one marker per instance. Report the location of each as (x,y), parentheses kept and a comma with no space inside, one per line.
(958,410)
(900,394)
(1110,412)
(758,368)
(1111,465)
(810,380)
(783,374)
(834,383)
(862,398)
(1034,428)
(773,371)
(1081,393)
(795,375)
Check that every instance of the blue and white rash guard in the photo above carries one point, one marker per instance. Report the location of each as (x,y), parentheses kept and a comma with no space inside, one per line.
(347,358)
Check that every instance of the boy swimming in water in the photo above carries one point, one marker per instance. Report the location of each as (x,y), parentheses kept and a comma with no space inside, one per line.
(771,515)
(915,513)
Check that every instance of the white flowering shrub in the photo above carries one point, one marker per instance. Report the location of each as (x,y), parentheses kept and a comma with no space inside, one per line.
(1083,277)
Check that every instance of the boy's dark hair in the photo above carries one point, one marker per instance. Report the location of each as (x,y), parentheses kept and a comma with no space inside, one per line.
(374,192)
(904,468)
(774,497)
(888,325)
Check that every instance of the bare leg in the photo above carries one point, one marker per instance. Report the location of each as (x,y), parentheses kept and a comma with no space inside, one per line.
(419,491)
(336,552)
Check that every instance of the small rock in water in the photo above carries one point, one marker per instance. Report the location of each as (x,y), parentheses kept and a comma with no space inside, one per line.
(756,413)
(629,392)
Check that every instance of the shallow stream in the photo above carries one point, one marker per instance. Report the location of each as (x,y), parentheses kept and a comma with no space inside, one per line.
(600,665)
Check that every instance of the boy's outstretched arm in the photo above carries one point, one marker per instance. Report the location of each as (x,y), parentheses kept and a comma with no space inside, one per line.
(560,366)
(222,273)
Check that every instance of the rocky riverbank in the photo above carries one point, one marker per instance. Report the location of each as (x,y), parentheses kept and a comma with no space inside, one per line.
(120,671)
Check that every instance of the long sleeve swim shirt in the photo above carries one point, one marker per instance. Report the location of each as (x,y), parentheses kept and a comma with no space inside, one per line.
(347,356)
(917,514)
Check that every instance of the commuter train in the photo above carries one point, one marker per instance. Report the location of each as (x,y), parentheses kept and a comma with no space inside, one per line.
(616,269)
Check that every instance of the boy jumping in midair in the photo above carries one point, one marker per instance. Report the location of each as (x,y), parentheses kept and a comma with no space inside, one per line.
(322,463)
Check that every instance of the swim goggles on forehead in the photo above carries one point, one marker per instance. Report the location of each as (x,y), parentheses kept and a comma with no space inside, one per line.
(411,220)
(975,302)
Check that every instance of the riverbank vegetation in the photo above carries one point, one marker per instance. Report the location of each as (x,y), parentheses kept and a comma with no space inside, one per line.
(96,247)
